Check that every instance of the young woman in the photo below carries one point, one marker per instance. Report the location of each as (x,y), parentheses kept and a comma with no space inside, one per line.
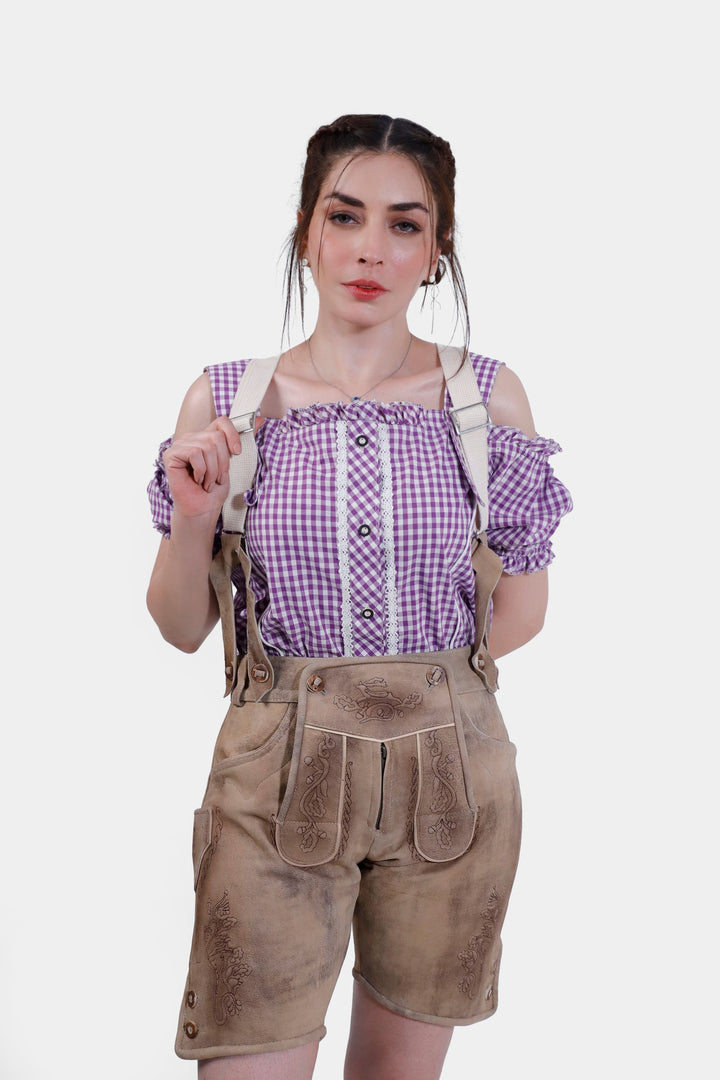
(363,778)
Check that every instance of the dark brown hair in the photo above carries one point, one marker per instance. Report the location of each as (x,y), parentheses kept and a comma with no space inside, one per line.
(360,134)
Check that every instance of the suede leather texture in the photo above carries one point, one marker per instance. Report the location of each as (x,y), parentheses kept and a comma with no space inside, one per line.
(376,796)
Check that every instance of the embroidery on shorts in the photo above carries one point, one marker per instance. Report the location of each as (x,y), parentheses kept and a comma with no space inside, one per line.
(377,702)
(412,806)
(444,795)
(312,804)
(215,840)
(347,803)
(227,960)
(473,955)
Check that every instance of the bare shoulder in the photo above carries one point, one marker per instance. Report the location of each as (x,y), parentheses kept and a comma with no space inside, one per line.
(509,405)
(198,408)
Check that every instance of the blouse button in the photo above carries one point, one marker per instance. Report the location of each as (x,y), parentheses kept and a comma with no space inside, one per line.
(367,613)
(362,440)
(364,530)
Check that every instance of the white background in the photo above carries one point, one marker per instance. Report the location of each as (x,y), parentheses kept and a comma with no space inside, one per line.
(152,156)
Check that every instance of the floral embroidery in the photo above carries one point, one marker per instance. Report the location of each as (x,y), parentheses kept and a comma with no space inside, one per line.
(377,702)
(473,955)
(227,960)
(312,803)
(444,796)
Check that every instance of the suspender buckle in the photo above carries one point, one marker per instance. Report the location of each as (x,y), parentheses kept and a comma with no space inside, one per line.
(244,421)
(464,424)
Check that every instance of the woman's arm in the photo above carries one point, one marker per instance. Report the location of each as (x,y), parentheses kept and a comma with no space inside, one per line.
(180,597)
(519,600)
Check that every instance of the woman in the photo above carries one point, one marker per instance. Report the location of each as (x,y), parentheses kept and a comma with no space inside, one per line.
(378,793)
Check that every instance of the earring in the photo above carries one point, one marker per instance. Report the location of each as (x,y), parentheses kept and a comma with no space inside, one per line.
(304,262)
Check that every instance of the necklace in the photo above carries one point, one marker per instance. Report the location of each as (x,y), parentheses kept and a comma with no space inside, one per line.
(358,397)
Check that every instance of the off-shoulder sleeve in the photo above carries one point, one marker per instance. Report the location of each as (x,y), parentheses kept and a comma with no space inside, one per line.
(159,493)
(526,499)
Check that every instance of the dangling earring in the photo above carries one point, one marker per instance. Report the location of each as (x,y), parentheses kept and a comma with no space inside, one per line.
(434,302)
(304,264)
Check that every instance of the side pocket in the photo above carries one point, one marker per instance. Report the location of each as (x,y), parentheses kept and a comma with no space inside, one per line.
(250,730)
(202,839)
(480,713)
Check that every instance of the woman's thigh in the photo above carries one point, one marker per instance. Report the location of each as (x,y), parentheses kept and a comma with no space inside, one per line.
(386,1046)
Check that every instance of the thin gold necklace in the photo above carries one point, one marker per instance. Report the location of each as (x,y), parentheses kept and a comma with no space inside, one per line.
(359,397)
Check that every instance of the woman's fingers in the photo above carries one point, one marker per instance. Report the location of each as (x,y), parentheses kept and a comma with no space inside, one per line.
(205,455)
(225,424)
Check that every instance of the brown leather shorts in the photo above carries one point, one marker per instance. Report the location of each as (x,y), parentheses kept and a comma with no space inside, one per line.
(377,794)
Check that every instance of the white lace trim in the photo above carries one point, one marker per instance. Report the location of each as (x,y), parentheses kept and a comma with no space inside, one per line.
(341,510)
(387,511)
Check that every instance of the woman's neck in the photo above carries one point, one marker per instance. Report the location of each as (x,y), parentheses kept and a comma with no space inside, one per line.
(354,355)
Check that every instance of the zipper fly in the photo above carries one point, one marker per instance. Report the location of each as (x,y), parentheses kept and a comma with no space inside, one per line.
(383,761)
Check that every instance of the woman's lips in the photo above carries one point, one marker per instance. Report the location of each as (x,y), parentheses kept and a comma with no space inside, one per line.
(364,290)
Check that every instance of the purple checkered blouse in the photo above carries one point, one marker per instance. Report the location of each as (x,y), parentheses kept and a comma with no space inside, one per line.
(360,520)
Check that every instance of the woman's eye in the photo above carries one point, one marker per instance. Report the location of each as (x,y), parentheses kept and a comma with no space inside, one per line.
(406,226)
(341,217)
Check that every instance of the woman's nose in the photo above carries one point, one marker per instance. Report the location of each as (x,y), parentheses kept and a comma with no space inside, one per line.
(370,260)
(370,248)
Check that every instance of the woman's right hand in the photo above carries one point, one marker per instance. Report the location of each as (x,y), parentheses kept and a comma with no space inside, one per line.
(197,465)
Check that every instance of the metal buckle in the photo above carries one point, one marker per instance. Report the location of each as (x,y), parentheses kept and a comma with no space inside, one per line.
(456,423)
(244,421)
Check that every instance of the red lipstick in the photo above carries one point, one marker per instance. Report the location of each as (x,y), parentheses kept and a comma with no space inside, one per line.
(364,289)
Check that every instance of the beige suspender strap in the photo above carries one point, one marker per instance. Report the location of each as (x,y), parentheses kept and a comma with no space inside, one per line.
(470,419)
(248,398)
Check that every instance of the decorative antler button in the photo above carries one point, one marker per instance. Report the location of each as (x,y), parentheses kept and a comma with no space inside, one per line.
(315,684)
(434,675)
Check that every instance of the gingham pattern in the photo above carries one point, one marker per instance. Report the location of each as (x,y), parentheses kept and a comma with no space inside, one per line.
(293,522)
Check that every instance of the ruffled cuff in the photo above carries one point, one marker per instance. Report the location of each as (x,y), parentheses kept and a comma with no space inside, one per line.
(527,501)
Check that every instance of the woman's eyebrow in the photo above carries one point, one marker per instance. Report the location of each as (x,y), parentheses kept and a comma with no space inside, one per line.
(350,200)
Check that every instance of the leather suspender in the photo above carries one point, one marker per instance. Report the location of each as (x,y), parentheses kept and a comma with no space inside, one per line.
(470,419)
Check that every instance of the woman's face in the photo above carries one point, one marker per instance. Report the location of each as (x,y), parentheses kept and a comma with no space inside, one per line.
(370,243)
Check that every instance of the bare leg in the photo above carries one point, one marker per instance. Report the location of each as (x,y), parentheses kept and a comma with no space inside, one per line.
(295,1064)
(386,1046)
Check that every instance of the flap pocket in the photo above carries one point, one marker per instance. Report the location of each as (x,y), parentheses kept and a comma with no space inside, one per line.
(307,831)
(445,815)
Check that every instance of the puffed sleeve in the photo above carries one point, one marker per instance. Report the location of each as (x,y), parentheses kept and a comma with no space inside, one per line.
(526,500)
(159,493)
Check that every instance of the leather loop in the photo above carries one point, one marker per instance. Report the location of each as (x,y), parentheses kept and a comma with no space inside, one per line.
(487,567)
(261,677)
(221,569)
